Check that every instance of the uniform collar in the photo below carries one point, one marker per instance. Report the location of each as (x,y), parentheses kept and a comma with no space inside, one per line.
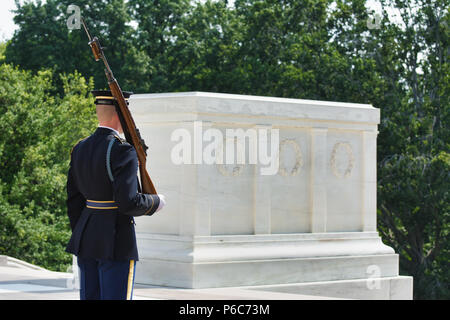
(106,130)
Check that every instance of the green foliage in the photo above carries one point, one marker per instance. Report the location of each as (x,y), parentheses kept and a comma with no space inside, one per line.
(414,144)
(2,51)
(44,41)
(415,215)
(38,131)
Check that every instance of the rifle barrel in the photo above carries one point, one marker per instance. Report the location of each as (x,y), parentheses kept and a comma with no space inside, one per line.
(85,29)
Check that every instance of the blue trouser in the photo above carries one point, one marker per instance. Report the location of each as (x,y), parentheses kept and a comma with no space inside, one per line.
(106,280)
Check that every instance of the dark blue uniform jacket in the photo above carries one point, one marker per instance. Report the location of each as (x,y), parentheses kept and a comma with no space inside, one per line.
(106,234)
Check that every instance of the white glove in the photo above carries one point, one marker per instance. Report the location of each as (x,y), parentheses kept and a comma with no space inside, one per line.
(162,202)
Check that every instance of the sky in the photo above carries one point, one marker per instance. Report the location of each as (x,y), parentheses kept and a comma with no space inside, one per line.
(7,25)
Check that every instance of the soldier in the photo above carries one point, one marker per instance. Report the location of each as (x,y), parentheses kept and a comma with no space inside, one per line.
(103,198)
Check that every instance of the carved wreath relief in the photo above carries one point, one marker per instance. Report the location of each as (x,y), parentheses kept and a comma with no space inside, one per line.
(236,170)
(340,151)
(342,160)
(298,158)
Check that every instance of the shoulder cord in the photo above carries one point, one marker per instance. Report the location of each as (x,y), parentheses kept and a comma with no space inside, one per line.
(108,160)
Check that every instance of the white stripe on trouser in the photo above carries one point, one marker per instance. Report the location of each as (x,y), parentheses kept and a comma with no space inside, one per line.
(131,280)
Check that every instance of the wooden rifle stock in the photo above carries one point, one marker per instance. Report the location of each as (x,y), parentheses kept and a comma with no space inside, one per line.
(127,121)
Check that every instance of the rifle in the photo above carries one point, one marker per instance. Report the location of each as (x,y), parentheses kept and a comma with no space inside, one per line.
(131,133)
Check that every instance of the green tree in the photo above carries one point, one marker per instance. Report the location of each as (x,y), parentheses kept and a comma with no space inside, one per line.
(154,40)
(43,39)
(37,133)
(414,160)
(205,51)
(2,51)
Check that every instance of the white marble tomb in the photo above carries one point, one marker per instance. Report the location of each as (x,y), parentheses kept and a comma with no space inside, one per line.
(313,222)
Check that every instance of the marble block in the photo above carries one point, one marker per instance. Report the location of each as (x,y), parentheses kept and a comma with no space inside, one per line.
(227,223)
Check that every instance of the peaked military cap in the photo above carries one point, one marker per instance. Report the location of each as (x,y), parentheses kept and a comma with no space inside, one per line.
(105,97)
